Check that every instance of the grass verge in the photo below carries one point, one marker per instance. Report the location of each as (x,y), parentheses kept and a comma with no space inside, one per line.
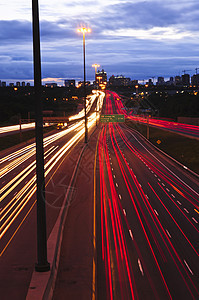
(183,149)
(11,140)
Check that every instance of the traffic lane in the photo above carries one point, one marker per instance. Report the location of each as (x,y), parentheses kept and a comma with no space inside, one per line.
(18,201)
(171,191)
(173,185)
(18,259)
(28,190)
(138,168)
(175,171)
(17,194)
(180,206)
(152,282)
(75,273)
(20,168)
(114,274)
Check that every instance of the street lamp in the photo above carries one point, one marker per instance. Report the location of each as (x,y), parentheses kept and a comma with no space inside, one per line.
(84,30)
(42,264)
(95,66)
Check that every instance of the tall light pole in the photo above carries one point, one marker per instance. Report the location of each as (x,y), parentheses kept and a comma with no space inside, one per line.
(84,30)
(95,66)
(42,264)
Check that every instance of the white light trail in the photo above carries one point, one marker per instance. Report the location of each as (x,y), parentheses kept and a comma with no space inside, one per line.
(20,199)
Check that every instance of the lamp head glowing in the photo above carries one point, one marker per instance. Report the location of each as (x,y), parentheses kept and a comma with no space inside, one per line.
(95,66)
(84,30)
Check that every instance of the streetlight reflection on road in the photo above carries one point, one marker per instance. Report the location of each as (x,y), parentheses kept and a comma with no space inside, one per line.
(84,30)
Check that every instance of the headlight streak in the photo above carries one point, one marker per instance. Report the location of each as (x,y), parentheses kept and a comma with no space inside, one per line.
(17,199)
(90,100)
(19,176)
(26,152)
(16,127)
(21,199)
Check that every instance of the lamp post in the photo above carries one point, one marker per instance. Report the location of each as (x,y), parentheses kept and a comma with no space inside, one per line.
(95,66)
(84,30)
(42,264)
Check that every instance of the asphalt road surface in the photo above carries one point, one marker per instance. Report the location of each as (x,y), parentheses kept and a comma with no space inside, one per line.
(147,220)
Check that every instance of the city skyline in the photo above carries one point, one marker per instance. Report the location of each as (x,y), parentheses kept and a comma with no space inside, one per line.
(138,39)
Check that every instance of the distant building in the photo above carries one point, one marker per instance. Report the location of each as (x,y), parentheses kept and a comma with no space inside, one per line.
(170,81)
(81,83)
(119,81)
(178,80)
(18,83)
(134,82)
(0,82)
(186,79)
(69,83)
(3,84)
(23,83)
(101,79)
(160,81)
(28,84)
(11,84)
(195,79)
(51,85)
(150,82)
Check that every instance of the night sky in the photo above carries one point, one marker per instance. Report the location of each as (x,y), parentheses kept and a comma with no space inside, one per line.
(138,39)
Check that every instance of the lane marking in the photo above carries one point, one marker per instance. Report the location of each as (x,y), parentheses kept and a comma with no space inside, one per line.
(188,267)
(173,196)
(168,233)
(195,220)
(140,267)
(179,202)
(130,232)
(116,184)
(186,210)
(156,212)
(120,196)
(164,164)
(124,211)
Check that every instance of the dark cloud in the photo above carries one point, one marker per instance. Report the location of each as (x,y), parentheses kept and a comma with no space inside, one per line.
(62,46)
(21,31)
(14,30)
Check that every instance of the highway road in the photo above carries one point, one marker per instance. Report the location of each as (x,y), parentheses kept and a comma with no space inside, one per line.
(18,199)
(184,129)
(147,213)
(147,219)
